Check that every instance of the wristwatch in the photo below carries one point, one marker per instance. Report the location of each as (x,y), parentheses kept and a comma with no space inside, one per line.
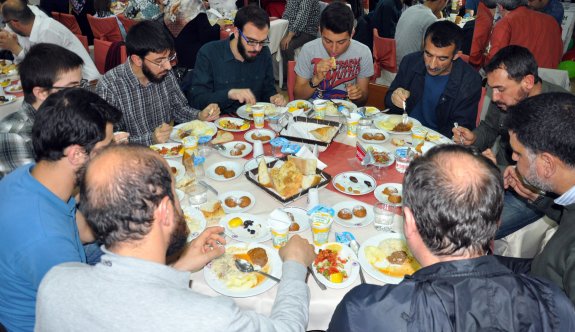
(311,84)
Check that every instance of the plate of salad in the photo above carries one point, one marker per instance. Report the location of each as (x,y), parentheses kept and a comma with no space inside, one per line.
(336,265)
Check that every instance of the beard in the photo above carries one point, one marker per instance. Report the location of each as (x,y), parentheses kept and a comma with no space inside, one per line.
(151,76)
(532,178)
(179,236)
(244,53)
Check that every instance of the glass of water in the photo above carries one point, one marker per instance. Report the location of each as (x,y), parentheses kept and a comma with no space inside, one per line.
(383,216)
(197,195)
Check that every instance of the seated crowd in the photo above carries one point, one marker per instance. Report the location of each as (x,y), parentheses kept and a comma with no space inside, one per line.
(87,223)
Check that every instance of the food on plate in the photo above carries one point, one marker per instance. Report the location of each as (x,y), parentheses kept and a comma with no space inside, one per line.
(345,214)
(286,179)
(240,146)
(392,257)
(419,146)
(258,256)
(230,202)
(220,170)
(6,68)
(353,179)
(257,137)
(223,137)
(235,222)
(324,134)
(236,152)
(174,170)
(263,174)
(233,125)
(397,142)
(381,157)
(244,201)
(196,128)
(306,166)
(458,19)
(340,187)
(225,269)
(294,227)
(368,136)
(300,105)
(229,173)
(378,136)
(194,224)
(403,126)
(164,151)
(394,198)
(390,190)
(330,265)
(213,211)
(359,211)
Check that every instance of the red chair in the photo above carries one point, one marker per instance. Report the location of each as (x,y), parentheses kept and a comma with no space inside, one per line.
(464,57)
(384,55)
(105,28)
(126,22)
(84,41)
(70,22)
(101,48)
(291,79)
(56,16)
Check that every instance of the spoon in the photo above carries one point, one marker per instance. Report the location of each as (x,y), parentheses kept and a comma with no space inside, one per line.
(456,125)
(355,248)
(404,118)
(246,266)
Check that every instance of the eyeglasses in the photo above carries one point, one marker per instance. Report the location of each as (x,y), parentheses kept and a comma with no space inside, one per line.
(84,83)
(252,42)
(170,59)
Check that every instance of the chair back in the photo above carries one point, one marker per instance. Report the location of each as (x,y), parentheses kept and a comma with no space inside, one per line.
(384,54)
(56,16)
(105,28)
(101,48)
(126,22)
(84,41)
(376,95)
(70,22)
(291,79)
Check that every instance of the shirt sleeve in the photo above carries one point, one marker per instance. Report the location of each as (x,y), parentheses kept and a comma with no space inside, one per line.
(202,91)
(487,131)
(15,151)
(303,65)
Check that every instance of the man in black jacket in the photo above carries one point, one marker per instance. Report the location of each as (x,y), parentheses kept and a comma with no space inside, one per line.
(437,87)
(452,202)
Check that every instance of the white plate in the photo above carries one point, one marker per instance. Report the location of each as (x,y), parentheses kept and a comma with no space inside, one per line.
(371,111)
(14,88)
(10,100)
(262,132)
(435,137)
(242,113)
(296,104)
(357,188)
(239,122)
(260,226)
(367,267)
(388,121)
(425,147)
(254,162)
(159,147)
(373,131)
(301,217)
(332,111)
(181,196)
(354,221)
(236,194)
(211,130)
(230,146)
(351,267)
(377,148)
(198,223)
(274,262)
(180,170)
(380,196)
(230,165)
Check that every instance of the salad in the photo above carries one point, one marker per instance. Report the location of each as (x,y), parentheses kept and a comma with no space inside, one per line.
(330,265)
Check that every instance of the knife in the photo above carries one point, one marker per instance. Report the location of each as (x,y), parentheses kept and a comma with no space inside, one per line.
(355,248)
(210,188)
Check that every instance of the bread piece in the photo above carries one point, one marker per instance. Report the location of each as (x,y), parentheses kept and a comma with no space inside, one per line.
(333,63)
(324,134)
(287,179)
(212,211)
(263,174)
(223,137)
(306,166)
(309,181)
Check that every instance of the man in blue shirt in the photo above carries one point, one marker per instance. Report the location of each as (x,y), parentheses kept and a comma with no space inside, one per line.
(549,7)
(238,70)
(437,87)
(38,210)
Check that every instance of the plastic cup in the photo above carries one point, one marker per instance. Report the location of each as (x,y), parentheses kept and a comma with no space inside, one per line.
(320,232)
(403,156)
(352,123)
(383,216)
(312,198)
(190,144)
(280,231)
(320,107)
(258,148)
(258,113)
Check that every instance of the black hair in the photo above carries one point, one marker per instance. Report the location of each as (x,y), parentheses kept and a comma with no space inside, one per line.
(122,208)
(445,34)
(148,36)
(69,117)
(544,123)
(102,7)
(17,10)
(491,4)
(252,14)
(456,196)
(337,17)
(43,65)
(516,60)
(511,4)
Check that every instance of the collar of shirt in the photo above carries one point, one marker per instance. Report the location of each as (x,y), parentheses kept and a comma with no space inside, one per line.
(131,76)
(567,198)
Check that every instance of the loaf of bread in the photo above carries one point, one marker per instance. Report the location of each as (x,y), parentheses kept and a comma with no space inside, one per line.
(324,134)
(223,137)
(309,181)
(263,174)
(287,179)
(306,166)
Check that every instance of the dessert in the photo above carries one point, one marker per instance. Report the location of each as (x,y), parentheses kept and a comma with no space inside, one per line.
(359,211)
(345,214)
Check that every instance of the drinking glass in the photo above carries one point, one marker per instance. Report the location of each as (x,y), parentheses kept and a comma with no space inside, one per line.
(383,216)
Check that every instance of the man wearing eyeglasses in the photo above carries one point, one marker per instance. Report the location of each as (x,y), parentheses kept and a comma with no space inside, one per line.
(145,89)
(237,71)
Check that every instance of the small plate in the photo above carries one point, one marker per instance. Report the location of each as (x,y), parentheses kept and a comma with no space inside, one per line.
(179,169)
(354,221)
(297,104)
(165,150)
(230,165)
(435,137)
(222,123)
(195,220)
(301,217)
(209,130)
(424,148)
(351,267)
(380,196)
(372,131)
(9,100)
(236,194)
(260,227)
(243,113)
(248,136)
(364,185)
(377,148)
(333,111)
(14,88)
(388,121)
(231,146)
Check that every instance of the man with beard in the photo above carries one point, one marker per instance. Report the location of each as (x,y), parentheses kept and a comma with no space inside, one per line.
(129,200)
(541,136)
(237,71)
(511,77)
(145,89)
(436,87)
(37,210)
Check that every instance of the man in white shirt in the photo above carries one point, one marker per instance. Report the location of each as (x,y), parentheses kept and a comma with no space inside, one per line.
(40,29)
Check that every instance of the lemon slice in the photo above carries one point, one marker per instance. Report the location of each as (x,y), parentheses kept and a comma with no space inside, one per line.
(235,222)
(336,278)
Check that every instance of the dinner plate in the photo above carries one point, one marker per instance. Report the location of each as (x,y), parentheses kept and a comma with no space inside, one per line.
(370,269)
(210,129)
(231,148)
(229,165)
(354,221)
(380,149)
(297,104)
(179,169)
(351,267)
(435,137)
(241,233)
(236,194)
(424,148)
(388,121)
(14,88)
(266,135)
(301,218)
(332,109)
(195,220)
(380,196)
(167,152)
(344,182)
(243,113)
(274,262)
(223,124)
(373,131)
(9,100)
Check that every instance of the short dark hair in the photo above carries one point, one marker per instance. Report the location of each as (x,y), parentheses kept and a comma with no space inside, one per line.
(122,208)
(252,14)
(455,214)
(148,36)
(511,4)
(445,34)
(43,65)
(516,60)
(544,123)
(68,117)
(337,17)
(491,4)
(17,10)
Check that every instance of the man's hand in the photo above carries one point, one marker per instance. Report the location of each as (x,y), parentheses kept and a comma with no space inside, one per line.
(244,96)
(512,180)
(202,250)
(278,100)
(460,133)
(321,70)
(399,96)
(210,113)
(490,155)
(162,133)
(9,41)
(284,43)
(298,249)
(121,137)
(353,91)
